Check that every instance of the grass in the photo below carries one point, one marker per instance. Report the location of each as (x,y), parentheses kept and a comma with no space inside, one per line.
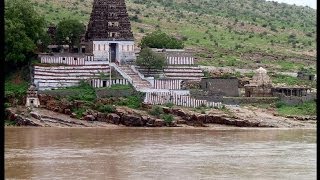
(156,111)
(211,25)
(168,118)
(83,92)
(291,81)
(16,84)
(79,112)
(307,108)
(9,123)
(131,102)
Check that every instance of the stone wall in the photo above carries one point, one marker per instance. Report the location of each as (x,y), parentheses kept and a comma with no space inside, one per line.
(226,87)
(294,100)
(249,100)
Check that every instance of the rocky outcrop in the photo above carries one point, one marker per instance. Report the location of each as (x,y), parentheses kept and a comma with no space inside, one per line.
(19,119)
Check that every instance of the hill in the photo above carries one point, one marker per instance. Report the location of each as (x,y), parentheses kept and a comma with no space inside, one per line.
(237,33)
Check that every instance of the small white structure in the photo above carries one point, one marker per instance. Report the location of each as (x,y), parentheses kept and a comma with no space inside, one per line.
(32,97)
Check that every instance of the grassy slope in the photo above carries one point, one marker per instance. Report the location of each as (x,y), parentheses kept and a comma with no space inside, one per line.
(224,32)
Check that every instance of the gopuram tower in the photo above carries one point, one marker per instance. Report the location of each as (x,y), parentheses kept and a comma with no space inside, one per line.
(109,36)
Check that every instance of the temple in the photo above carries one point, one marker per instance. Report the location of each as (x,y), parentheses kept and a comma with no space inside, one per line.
(109,36)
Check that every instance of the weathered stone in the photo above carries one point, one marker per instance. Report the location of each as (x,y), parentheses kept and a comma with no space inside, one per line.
(132,121)
(73,115)
(167,110)
(56,109)
(113,118)
(159,123)
(102,117)
(89,118)
(35,115)
(181,121)
(67,111)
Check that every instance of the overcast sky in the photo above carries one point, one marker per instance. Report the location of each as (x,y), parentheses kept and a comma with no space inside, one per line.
(310,3)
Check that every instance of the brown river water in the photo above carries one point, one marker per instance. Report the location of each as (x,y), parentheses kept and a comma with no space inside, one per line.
(135,154)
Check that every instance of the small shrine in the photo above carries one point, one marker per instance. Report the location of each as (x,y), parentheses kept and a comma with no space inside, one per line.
(32,97)
(260,86)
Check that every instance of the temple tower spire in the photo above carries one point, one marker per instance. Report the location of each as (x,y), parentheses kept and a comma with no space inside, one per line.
(109,34)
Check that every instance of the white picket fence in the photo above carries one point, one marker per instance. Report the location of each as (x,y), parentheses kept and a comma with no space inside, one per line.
(174,60)
(161,98)
(167,84)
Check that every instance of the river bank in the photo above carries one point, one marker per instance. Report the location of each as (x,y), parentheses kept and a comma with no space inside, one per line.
(123,117)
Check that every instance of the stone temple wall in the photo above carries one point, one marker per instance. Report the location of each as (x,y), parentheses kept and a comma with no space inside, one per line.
(226,87)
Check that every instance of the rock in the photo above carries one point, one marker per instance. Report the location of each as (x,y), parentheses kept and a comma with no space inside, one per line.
(20,121)
(89,118)
(56,109)
(35,115)
(132,121)
(67,112)
(73,115)
(150,123)
(159,123)
(102,117)
(113,118)
(166,110)
(181,121)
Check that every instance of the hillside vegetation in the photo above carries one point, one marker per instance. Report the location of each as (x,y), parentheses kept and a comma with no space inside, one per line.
(237,33)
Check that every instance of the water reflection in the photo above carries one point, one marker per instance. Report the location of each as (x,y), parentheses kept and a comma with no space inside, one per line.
(44,153)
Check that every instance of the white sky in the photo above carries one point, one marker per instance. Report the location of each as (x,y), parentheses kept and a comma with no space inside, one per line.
(310,3)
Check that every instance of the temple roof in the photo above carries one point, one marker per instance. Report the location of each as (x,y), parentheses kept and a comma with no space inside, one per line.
(109,20)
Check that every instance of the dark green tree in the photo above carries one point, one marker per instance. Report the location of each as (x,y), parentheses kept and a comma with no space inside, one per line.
(159,39)
(24,30)
(69,32)
(151,60)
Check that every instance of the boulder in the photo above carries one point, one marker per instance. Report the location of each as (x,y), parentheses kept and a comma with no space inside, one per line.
(150,122)
(113,118)
(102,117)
(181,121)
(159,123)
(166,110)
(89,118)
(73,115)
(132,121)
(35,115)
(67,112)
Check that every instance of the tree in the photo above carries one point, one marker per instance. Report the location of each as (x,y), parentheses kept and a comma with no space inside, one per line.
(69,32)
(24,30)
(159,39)
(151,60)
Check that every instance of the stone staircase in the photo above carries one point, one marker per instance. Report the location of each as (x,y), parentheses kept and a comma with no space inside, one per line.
(137,81)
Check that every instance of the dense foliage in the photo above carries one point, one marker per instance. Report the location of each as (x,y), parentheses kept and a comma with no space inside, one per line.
(69,32)
(159,39)
(151,60)
(24,30)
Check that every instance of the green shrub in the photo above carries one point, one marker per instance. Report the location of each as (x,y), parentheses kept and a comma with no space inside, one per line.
(156,111)
(169,105)
(78,112)
(131,102)
(280,104)
(168,118)
(159,39)
(304,109)
(106,109)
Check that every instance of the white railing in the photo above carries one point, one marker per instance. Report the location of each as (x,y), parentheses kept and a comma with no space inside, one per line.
(161,98)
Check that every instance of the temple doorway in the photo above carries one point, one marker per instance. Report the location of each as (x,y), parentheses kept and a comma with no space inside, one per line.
(113,52)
